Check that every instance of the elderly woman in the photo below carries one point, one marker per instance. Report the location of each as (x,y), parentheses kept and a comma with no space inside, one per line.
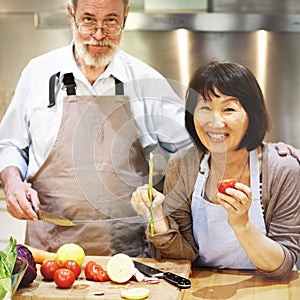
(254,224)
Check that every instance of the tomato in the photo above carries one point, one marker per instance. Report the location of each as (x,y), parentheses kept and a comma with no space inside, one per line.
(100,274)
(224,184)
(89,270)
(64,278)
(105,276)
(48,269)
(94,271)
(73,266)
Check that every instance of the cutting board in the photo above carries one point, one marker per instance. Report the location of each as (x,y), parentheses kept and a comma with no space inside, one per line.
(86,289)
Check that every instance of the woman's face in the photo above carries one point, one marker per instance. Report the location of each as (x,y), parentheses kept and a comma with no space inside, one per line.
(220,123)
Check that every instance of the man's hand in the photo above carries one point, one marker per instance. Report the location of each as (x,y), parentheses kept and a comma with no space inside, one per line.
(21,199)
(285,149)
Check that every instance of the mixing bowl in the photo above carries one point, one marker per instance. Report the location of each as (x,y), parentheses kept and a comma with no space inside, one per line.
(17,276)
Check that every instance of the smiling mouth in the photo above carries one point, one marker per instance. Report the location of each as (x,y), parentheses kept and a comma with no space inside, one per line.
(217,136)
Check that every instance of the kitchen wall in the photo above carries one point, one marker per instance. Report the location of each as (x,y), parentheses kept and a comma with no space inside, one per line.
(272,56)
(176,44)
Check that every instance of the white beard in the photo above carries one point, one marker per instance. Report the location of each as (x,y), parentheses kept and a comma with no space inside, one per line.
(101,61)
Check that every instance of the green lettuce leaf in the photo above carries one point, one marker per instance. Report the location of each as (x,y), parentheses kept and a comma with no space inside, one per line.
(7,262)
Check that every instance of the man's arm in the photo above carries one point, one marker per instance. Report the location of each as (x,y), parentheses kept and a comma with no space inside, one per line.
(20,197)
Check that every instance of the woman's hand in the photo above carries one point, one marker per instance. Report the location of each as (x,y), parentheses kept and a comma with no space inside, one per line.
(237,202)
(140,202)
(265,253)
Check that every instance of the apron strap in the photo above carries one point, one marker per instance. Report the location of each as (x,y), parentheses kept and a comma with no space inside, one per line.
(119,87)
(69,83)
(52,82)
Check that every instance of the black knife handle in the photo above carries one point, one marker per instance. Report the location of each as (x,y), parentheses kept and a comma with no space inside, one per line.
(177,280)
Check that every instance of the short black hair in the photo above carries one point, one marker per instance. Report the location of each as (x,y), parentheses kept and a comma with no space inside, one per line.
(231,79)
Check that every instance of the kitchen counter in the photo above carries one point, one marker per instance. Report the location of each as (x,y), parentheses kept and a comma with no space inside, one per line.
(206,284)
(238,284)
(86,289)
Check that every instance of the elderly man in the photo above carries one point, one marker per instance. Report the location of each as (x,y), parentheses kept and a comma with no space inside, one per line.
(77,136)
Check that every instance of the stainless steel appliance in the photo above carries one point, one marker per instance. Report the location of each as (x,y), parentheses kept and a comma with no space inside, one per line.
(264,35)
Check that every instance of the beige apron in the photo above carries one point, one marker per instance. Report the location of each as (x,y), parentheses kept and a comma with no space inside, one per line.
(96,163)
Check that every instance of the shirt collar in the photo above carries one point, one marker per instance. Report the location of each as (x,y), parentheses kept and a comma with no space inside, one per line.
(116,68)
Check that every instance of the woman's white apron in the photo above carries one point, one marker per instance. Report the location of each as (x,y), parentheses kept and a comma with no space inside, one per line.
(218,245)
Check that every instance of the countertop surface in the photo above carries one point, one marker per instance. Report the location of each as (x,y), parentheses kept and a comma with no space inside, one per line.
(241,284)
(207,283)
(86,289)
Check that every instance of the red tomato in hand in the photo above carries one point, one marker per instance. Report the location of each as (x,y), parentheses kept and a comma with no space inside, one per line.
(48,269)
(73,266)
(64,278)
(224,184)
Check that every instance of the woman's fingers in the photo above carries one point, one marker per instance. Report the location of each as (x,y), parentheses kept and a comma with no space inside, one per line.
(141,203)
(238,198)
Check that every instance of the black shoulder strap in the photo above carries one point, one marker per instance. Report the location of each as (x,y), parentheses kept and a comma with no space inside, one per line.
(69,83)
(52,82)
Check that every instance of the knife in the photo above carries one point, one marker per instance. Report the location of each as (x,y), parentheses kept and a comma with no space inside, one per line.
(48,217)
(53,218)
(180,282)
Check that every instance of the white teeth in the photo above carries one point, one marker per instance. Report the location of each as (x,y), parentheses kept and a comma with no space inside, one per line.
(216,135)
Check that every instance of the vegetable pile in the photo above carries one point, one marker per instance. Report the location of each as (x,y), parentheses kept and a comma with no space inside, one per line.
(62,267)
(10,261)
(63,275)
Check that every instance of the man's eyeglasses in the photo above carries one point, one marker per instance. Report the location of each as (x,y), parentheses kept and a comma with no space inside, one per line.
(92,27)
